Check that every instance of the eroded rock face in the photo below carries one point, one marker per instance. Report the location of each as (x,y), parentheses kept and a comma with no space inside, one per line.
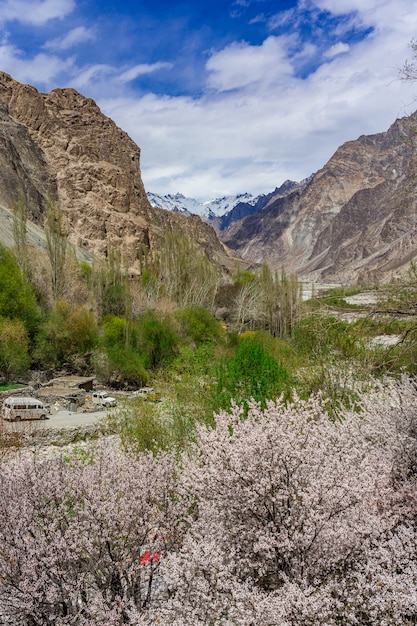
(355,220)
(60,142)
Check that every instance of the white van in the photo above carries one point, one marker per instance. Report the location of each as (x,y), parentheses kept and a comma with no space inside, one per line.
(16,409)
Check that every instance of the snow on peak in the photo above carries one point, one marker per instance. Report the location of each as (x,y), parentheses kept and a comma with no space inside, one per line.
(212,208)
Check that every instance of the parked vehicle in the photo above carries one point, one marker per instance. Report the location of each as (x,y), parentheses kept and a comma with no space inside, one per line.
(16,409)
(102,398)
(148,393)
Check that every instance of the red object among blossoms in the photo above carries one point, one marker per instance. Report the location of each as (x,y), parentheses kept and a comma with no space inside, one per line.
(147,557)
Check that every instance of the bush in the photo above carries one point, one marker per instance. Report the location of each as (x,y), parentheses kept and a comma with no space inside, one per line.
(199,324)
(157,341)
(14,348)
(68,330)
(122,362)
(251,373)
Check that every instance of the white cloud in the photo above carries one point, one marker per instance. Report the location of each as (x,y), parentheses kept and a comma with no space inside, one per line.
(240,64)
(338,48)
(247,139)
(35,11)
(72,38)
(93,72)
(40,69)
(341,7)
(141,69)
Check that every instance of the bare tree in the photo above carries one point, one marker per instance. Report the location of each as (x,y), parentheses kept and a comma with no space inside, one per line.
(56,245)
(409,70)
(20,215)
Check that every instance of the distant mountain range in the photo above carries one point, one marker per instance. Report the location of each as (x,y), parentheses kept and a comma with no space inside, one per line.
(222,212)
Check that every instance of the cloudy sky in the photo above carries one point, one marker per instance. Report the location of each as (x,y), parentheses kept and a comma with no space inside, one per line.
(222,96)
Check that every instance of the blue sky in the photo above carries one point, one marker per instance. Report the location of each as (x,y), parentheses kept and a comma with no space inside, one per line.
(222,97)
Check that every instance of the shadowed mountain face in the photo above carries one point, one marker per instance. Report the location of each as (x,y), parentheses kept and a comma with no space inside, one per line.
(355,219)
(61,143)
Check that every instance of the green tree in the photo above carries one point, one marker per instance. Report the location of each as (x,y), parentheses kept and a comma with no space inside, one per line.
(197,323)
(120,359)
(14,348)
(67,331)
(252,372)
(17,298)
(157,341)
(280,301)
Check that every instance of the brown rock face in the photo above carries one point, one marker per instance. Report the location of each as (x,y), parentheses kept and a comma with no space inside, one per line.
(61,142)
(355,220)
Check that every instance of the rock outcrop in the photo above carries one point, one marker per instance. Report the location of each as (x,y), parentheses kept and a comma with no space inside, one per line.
(355,220)
(61,143)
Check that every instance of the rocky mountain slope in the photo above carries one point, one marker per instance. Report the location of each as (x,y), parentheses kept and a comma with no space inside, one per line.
(355,220)
(61,143)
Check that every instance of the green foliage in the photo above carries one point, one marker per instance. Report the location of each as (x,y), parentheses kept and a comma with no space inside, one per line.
(17,298)
(151,427)
(199,325)
(114,300)
(109,286)
(243,278)
(280,301)
(121,360)
(195,361)
(252,372)
(66,331)
(144,428)
(9,386)
(118,331)
(14,348)
(157,340)
(120,366)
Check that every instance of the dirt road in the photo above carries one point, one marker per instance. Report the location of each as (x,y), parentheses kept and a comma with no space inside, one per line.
(58,419)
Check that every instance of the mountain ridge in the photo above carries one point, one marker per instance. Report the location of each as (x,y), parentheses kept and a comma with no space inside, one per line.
(353,220)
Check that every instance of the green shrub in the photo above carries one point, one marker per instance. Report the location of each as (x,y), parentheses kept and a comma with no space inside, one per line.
(66,331)
(198,324)
(157,341)
(252,372)
(14,348)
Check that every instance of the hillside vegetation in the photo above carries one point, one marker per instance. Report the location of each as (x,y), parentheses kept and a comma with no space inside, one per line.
(181,327)
(269,480)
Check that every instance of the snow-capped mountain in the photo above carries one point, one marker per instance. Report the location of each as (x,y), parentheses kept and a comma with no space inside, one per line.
(209,210)
(222,212)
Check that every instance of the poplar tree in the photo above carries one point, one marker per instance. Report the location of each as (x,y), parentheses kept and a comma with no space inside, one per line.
(20,215)
(56,245)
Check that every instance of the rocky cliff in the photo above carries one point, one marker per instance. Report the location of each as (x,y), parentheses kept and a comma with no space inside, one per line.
(355,220)
(61,143)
